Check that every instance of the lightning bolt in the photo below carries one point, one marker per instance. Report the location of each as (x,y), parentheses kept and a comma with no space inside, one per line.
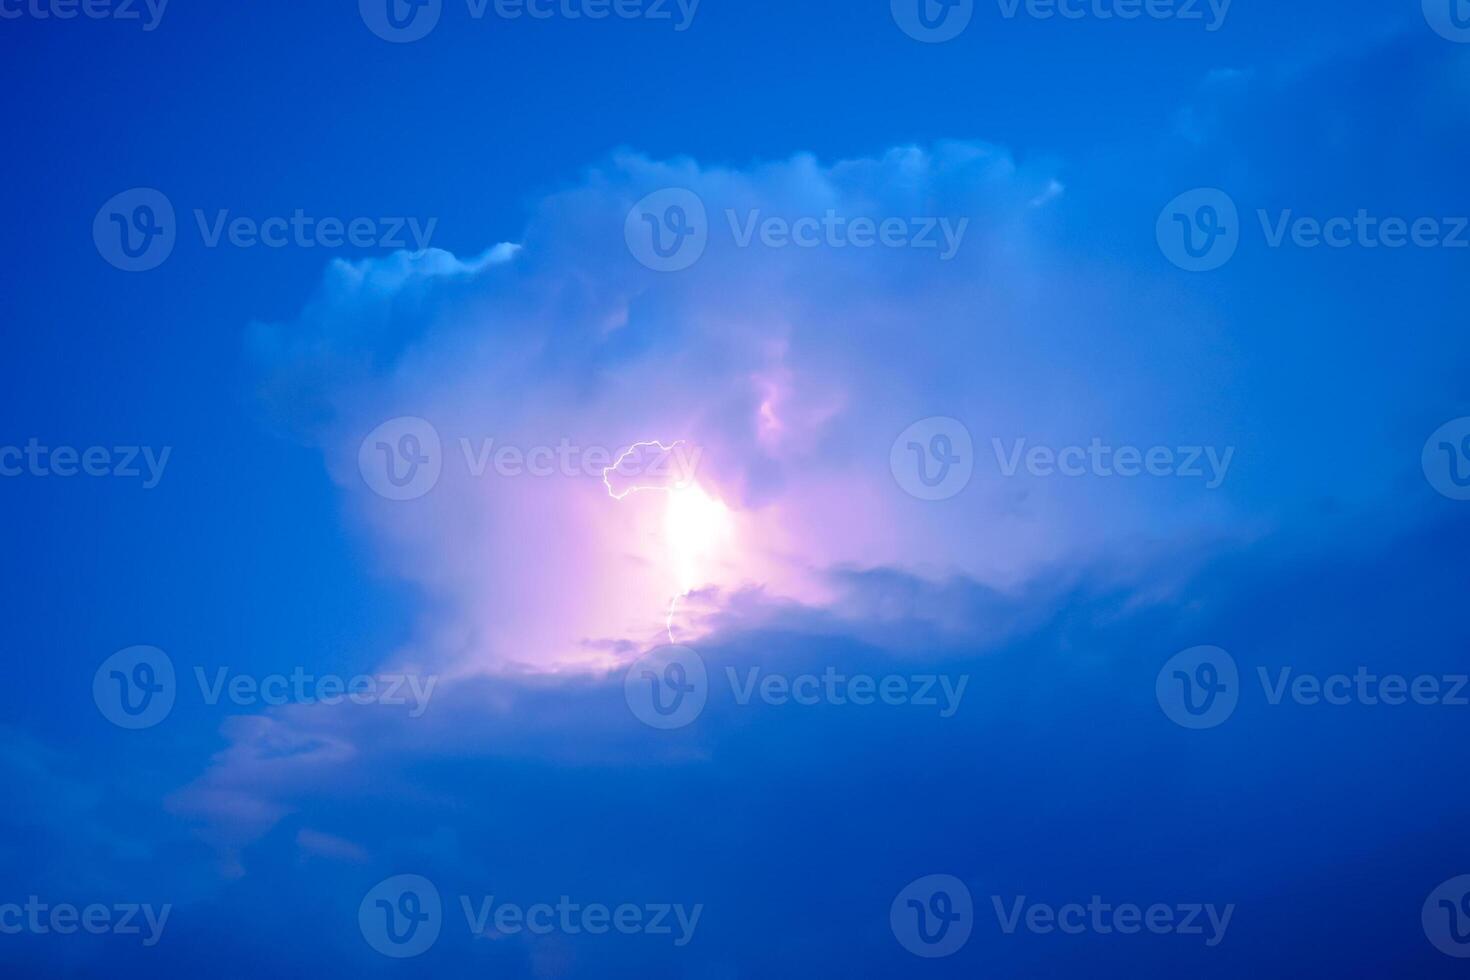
(628,452)
(669,620)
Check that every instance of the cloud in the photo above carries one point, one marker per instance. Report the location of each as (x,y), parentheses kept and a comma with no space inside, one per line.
(531,787)
(790,369)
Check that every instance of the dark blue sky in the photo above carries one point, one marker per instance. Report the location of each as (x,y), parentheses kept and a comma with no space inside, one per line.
(263,550)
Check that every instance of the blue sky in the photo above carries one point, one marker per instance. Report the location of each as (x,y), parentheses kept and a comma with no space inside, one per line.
(1302,511)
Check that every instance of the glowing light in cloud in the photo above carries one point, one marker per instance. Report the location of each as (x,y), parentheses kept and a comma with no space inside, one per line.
(697,527)
(790,386)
